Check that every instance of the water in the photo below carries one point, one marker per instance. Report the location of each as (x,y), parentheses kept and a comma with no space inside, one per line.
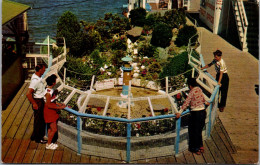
(44,15)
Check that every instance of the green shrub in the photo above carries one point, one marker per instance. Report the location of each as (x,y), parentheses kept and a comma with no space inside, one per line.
(137,16)
(119,44)
(162,53)
(177,65)
(147,50)
(153,19)
(185,34)
(76,65)
(175,18)
(97,60)
(161,35)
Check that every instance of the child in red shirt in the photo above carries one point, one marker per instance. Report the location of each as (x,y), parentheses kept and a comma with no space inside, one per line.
(50,112)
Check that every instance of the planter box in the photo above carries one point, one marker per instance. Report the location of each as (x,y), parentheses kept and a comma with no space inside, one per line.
(115,147)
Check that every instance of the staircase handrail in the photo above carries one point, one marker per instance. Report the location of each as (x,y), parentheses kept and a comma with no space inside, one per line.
(244,20)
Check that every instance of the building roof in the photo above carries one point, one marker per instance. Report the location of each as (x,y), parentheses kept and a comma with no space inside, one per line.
(12,9)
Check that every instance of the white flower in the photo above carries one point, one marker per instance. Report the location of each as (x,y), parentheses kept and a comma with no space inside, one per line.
(145,57)
(136,68)
(71,116)
(134,64)
(109,73)
(67,93)
(59,100)
(142,67)
(102,69)
(137,135)
(105,66)
(135,75)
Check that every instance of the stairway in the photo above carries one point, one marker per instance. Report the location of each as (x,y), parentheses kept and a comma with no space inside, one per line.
(252,12)
(241,22)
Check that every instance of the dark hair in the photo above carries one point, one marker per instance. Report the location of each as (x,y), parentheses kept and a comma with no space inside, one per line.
(39,66)
(192,82)
(217,53)
(51,79)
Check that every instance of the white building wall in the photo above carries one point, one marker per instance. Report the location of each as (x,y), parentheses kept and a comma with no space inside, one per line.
(214,13)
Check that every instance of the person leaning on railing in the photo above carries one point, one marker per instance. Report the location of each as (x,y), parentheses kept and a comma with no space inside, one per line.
(51,114)
(221,77)
(196,101)
(35,95)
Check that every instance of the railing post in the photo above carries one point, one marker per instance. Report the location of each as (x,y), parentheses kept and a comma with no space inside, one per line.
(92,82)
(79,129)
(64,74)
(128,142)
(167,85)
(177,139)
(209,123)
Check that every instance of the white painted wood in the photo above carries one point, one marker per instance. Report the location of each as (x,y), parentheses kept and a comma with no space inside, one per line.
(69,97)
(173,105)
(83,107)
(150,105)
(106,107)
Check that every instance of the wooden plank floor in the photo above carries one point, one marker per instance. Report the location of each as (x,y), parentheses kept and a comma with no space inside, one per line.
(17,123)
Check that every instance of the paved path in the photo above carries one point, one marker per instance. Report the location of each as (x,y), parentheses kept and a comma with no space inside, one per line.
(240,118)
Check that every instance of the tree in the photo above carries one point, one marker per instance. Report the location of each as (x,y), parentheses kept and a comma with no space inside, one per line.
(185,34)
(69,28)
(161,35)
(175,18)
(137,16)
(111,24)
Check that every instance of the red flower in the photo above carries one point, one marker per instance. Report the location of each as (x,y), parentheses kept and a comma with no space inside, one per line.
(166,109)
(178,96)
(138,126)
(150,115)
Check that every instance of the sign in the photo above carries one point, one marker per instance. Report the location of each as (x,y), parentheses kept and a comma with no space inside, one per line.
(105,84)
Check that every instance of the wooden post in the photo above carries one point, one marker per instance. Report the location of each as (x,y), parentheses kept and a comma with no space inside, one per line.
(92,82)
(48,47)
(167,85)
(64,75)
(193,72)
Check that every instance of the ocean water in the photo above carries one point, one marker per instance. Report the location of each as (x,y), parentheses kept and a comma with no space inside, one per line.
(44,15)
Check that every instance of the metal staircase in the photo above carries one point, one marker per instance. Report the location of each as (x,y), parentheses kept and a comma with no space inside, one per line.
(241,22)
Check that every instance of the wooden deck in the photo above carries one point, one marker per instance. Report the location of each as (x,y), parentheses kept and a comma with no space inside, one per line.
(17,125)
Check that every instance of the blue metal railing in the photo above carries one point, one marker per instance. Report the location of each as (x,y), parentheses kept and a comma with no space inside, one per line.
(130,121)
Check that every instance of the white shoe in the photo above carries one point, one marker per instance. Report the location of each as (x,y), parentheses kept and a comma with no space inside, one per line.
(50,146)
(56,145)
